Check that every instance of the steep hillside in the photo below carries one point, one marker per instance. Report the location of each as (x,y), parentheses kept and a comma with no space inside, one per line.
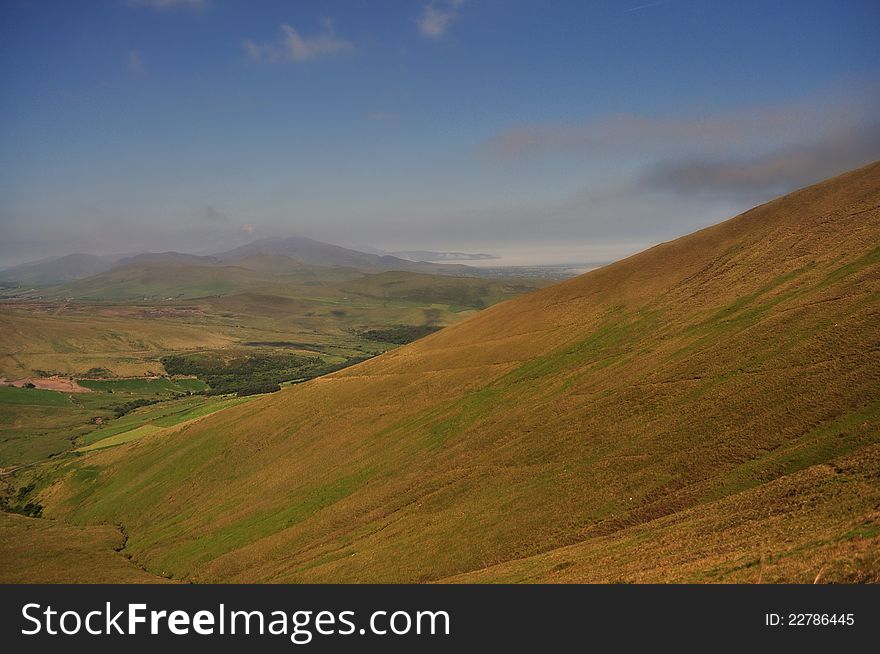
(705,410)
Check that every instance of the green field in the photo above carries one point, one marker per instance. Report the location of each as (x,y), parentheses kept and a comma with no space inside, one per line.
(12,396)
(120,438)
(165,414)
(144,386)
(36,424)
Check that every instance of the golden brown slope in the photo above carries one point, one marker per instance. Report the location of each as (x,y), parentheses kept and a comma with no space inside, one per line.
(694,371)
(819,524)
(47,552)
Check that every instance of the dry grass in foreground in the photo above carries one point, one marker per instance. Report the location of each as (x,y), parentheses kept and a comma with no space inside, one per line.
(48,552)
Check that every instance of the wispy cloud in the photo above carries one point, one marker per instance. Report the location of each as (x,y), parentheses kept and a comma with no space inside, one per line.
(647,5)
(743,133)
(437,16)
(170,4)
(709,166)
(843,148)
(134,61)
(293,46)
(626,133)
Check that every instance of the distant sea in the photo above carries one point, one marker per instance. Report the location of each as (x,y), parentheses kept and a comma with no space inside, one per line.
(575,260)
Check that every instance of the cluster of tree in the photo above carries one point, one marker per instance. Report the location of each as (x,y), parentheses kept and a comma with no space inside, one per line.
(21,505)
(121,409)
(251,373)
(257,387)
(290,344)
(98,373)
(400,334)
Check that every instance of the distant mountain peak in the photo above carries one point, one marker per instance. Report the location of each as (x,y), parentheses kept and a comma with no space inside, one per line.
(309,252)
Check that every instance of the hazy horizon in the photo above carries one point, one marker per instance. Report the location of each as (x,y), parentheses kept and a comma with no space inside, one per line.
(584,257)
(163,125)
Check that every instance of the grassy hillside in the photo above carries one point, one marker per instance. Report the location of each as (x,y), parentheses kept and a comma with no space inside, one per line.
(74,339)
(47,552)
(705,410)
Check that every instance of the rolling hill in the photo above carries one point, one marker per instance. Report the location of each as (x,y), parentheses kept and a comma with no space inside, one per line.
(177,274)
(706,410)
(167,258)
(299,251)
(161,278)
(171,279)
(56,270)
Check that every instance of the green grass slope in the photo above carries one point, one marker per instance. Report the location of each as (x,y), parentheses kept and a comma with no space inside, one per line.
(708,406)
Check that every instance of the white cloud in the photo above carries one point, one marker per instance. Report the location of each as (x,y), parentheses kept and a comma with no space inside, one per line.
(436,18)
(135,62)
(293,46)
(170,4)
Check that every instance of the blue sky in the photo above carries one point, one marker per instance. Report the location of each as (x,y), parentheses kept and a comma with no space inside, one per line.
(608,125)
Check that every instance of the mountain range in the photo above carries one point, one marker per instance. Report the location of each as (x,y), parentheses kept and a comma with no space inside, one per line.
(276,256)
